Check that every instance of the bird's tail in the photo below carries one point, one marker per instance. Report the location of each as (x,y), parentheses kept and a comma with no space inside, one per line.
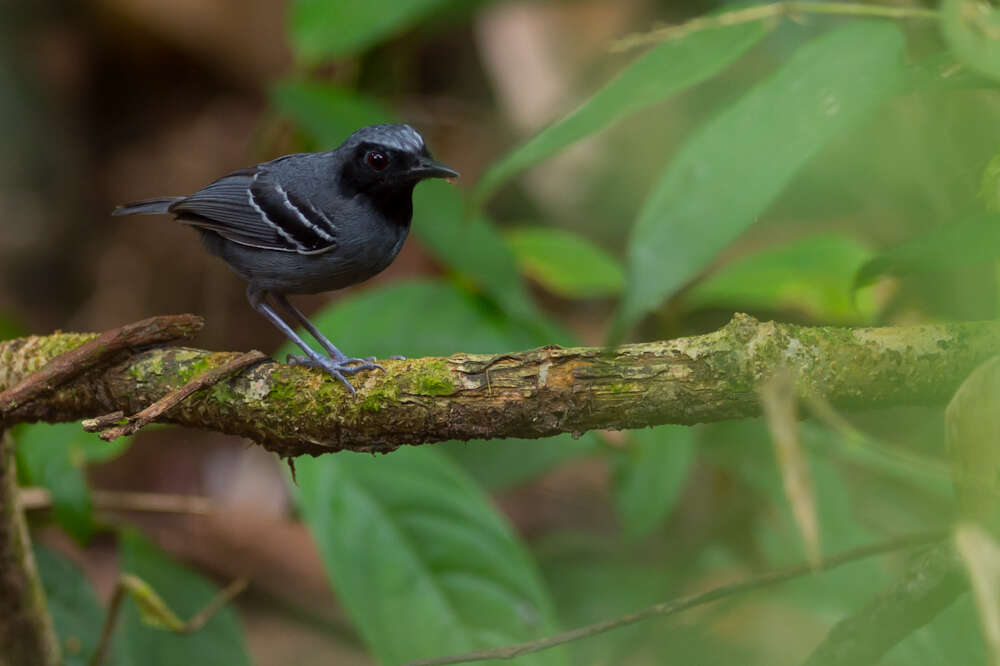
(147,207)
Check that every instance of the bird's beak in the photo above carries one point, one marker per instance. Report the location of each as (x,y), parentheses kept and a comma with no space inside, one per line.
(428,168)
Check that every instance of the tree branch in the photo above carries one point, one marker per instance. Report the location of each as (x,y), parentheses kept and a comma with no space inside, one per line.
(535,393)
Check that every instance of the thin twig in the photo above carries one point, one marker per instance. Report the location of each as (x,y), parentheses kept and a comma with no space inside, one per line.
(167,402)
(99,423)
(684,603)
(763,12)
(112,500)
(105,346)
(197,621)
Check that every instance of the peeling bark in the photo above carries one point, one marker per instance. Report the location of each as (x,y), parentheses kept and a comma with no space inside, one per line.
(535,393)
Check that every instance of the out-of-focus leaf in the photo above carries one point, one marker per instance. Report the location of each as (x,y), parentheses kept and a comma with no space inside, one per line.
(471,245)
(220,641)
(565,263)
(989,186)
(55,456)
(407,536)
(973,241)
(952,637)
(9,328)
(812,275)
(649,475)
(659,73)
(981,557)
(725,176)
(506,463)
(942,72)
(325,29)
(416,318)
(326,113)
(972,30)
(593,579)
(76,613)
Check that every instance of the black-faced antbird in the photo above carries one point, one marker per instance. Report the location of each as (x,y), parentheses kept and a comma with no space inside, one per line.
(311,222)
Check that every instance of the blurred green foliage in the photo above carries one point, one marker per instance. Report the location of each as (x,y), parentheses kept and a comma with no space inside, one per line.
(766,168)
(186,593)
(54,457)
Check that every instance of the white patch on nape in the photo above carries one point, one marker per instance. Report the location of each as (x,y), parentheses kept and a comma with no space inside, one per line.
(398,137)
(404,137)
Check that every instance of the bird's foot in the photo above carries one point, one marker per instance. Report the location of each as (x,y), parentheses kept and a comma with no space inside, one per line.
(336,368)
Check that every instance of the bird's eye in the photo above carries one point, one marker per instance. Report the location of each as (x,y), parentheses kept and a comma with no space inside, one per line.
(377,160)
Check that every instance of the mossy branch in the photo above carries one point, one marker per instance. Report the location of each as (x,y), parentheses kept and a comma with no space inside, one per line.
(535,393)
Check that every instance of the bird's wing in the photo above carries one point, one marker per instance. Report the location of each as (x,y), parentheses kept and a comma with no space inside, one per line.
(252,208)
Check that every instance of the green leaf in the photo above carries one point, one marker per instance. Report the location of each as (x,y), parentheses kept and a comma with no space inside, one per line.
(417,318)
(471,245)
(407,536)
(972,30)
(501,464)
(10,328)
(649,475)
(565,263)
(952,637)
(654,76)
(326,113)
(949,247)
(812,275)
(220,641)
(734,166)
(76,613)
(325,29)
(55,456)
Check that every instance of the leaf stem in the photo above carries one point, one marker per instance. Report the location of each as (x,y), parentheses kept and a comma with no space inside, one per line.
(771,11)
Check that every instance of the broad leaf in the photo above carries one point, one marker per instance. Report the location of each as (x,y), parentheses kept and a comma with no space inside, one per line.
(326,113)
(55,456)
(649,475)
(735,165)
(220,641)
(972,30)
(949,247)
(565,263)
(811,275)
(473,246)
(419,558)
(659,73)
(324,29)
(76,613)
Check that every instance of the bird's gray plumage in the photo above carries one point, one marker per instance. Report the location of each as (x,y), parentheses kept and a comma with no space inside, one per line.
(311,222)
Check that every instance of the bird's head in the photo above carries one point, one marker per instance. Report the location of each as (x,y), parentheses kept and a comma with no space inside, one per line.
(386,158)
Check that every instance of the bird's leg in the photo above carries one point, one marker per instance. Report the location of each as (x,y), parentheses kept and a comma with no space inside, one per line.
(297,314)
(335,367)
(324,342)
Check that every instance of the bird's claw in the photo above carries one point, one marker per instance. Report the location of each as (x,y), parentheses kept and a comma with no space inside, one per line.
(336,368)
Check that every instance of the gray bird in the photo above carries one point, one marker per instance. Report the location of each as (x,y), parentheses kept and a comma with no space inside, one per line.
(311,222)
